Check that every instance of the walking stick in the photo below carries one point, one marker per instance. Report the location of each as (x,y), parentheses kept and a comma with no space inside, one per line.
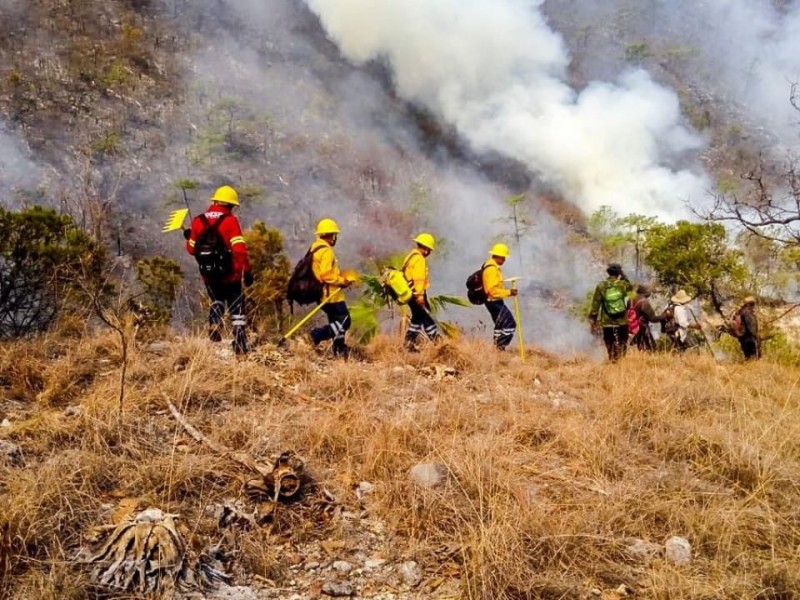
(703,335)
(513,281)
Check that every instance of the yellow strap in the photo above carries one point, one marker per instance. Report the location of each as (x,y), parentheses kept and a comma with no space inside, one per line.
(191,243)
(237,240)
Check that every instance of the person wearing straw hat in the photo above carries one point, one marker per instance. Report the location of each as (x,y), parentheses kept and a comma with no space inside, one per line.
(746,329)
(610,311)
(415,270)
(684,319)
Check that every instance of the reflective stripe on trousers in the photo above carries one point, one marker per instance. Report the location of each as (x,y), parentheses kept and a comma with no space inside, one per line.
(421,322)
(338,324)
(504,323)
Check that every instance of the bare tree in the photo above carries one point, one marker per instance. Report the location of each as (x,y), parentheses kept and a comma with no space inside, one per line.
(769,204)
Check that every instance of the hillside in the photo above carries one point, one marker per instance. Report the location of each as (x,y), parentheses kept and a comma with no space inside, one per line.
(554,479)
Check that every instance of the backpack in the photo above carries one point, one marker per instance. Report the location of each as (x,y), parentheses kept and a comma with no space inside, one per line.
(303,286)
(669,325)
(475,292)
(395,285)
(634,320)
(614,302)
(737,327)
(214,257)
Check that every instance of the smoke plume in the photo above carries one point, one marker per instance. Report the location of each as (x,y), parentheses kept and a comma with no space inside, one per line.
(495,70)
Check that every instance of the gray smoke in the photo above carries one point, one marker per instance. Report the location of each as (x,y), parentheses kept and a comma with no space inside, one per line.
(18,171)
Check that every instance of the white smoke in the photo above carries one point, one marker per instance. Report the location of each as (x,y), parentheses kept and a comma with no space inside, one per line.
(17,171)
(495,70)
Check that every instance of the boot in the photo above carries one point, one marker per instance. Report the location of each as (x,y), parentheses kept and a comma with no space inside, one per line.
(214,333)
(240,341)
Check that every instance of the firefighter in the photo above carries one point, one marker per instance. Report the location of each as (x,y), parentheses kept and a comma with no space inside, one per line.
(504,323)
(415,270)
(326,270)
(215,240)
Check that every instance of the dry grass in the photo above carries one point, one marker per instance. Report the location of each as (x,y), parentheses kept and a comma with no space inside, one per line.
(554,465)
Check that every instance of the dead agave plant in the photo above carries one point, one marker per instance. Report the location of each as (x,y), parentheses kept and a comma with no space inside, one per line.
(144,553)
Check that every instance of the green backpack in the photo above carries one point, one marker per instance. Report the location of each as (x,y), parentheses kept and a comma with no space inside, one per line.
(614,301)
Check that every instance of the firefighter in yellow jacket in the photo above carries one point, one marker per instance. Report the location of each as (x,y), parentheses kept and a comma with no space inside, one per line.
(415,270)
(326,270)
(504,323)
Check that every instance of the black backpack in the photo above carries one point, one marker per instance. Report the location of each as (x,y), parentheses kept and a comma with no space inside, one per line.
(304,287)
(214,257)
(475,292)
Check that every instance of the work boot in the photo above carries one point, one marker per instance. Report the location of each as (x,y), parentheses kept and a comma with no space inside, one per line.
(214,333)
(341,351)
(240,341)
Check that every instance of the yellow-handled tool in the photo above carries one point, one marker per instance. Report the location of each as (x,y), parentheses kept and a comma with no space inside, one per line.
(175,220)
(304,320)
(513,281)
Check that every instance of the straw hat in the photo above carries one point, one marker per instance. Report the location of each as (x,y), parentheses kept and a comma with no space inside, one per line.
(749,300)
(681,297)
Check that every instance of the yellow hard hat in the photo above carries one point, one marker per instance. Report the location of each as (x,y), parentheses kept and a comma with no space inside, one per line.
(426,239)
(499,250)
(326,226)
(226,195)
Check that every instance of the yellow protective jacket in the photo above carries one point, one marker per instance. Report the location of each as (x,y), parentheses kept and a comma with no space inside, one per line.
(493,281)
(326,270)
(415,270)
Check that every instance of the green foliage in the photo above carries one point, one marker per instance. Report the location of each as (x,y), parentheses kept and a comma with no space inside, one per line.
(45,260)
(117,73)
(637,52)
(106,144)
(365,314)
(159,279)
(618,236)
(233,130)
(693,256)
(270,266)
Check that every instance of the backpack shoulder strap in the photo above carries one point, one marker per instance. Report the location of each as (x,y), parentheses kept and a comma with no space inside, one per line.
(209,226)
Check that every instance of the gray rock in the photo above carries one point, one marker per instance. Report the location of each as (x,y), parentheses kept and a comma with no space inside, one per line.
(159,348)
(411,573)
(365,488)
(374,563)
(678,550)
(428,475)
(342,566)
(311,566)
(10,454)
(337,589)
(227,592)
(642,550)
(73,411)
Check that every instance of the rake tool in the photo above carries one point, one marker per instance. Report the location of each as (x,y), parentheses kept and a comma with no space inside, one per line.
(175,220)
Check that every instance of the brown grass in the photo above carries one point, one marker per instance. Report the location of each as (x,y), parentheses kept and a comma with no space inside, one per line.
(554,465)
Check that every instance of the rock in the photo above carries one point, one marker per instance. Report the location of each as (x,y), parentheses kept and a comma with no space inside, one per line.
(342,566)
(337,589)
(159,348)
(642,550)
(678,550)
(5,423)
(428,475)
(374,563)
(411,573)
(311,566)
(73,411)
(365,488)
(10,454)
(227,592)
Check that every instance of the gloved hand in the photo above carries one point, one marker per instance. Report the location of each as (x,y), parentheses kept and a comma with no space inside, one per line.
(187,233)
(346,284)
(514,291)
(594,328)
(420,300)
(248,279)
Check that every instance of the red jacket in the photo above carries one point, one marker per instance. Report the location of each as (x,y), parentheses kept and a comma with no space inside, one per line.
(231,232)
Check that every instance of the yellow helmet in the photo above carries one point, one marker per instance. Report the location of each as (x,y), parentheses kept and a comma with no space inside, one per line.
(499,250)
(326,226)
(226,195)
(426,239)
